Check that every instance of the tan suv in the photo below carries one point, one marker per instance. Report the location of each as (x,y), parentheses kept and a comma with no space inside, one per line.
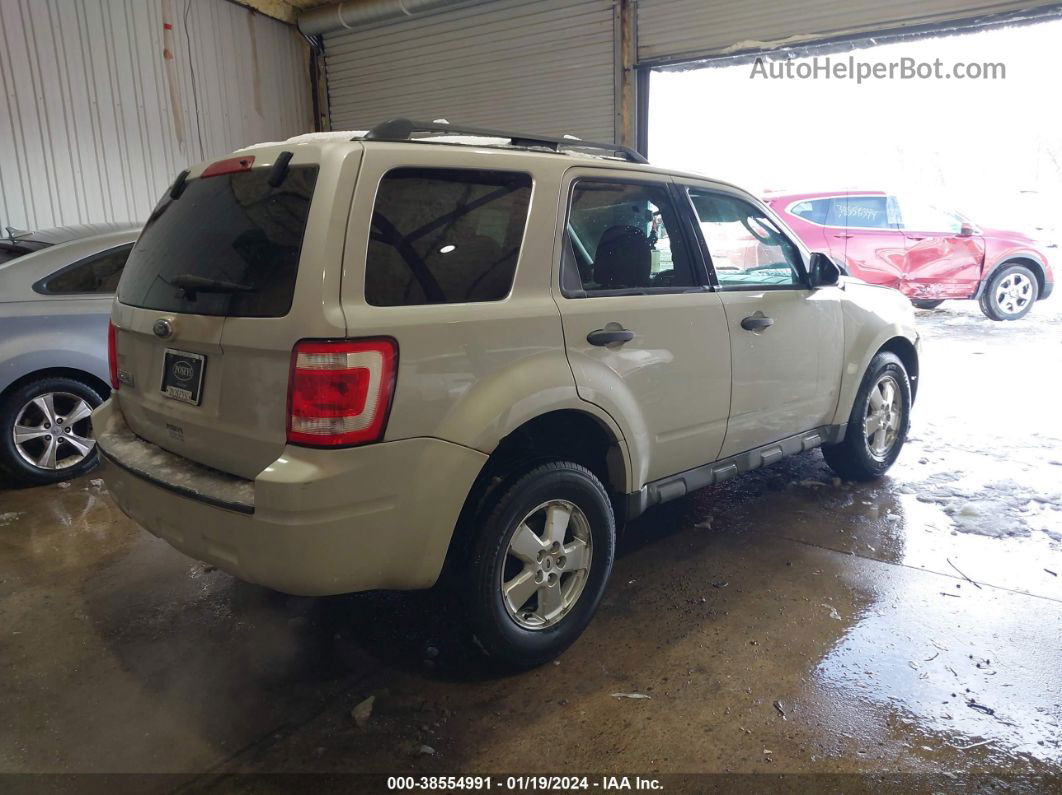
(347,364)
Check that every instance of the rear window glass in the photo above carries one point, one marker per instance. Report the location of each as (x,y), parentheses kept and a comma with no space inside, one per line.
(9,252)
(442,236)
(229,245)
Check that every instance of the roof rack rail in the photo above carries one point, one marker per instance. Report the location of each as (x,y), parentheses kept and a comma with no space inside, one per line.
(402,129)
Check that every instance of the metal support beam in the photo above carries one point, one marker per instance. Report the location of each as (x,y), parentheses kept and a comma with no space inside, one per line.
(627,41)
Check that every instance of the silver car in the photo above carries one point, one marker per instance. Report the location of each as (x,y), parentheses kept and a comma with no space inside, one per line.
(56,288)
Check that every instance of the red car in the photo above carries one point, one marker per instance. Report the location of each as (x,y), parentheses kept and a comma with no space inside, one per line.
(927,253)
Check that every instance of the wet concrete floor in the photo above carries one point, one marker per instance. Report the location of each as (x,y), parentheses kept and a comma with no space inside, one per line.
(779,623)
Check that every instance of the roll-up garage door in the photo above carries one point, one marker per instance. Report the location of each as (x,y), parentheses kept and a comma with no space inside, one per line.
(678,30)
(546,67)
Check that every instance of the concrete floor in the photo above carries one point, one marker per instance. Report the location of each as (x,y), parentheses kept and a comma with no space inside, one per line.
(779,623)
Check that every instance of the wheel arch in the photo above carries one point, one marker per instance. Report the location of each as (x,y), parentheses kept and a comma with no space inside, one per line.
(570,434)
(905,351)
(93,381)
(1029,260)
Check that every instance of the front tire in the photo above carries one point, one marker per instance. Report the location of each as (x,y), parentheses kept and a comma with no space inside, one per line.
(540,563)
(878,424)
(46,431)
(921,304)
(1010,293)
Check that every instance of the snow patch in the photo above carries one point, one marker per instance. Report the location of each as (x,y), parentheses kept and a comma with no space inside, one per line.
(998,509)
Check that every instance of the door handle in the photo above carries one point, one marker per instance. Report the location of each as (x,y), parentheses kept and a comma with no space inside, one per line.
(916,237)
(757,322)
(842,235)
(609,336)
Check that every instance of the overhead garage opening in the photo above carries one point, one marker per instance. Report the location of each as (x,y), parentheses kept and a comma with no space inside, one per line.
(546,67)
(971,124)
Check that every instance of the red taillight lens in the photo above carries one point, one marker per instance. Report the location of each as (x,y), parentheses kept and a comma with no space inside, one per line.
(112,354)
(339,393)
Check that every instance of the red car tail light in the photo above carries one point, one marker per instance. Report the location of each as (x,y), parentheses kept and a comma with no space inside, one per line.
(112,354)
(339,393)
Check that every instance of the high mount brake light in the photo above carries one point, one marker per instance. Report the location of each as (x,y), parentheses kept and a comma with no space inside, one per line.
(339,392)
(229,166)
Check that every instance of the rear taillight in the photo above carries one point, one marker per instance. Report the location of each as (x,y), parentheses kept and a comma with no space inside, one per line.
(112,354)
(339,393)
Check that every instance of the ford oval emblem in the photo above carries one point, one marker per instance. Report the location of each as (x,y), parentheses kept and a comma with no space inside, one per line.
(162,328)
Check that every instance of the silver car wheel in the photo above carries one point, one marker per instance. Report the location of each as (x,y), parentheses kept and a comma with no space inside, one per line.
(884,417)
(546,564)
(1013,293)
(54,431)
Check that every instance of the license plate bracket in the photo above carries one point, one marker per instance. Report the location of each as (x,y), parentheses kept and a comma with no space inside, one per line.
(182,376)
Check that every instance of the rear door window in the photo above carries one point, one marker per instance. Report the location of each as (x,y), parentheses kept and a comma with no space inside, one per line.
(97,275)
(229,245)
(866,212)
(624,237)
(445,236)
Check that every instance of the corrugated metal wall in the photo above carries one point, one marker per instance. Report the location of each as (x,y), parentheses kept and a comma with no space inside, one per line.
(546,66)
(688,29)
(86,131)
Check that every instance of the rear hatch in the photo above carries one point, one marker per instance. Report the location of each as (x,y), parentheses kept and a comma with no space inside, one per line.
(233,268)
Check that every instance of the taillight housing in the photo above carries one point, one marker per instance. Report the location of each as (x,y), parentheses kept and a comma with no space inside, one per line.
(112,354)
(339,392)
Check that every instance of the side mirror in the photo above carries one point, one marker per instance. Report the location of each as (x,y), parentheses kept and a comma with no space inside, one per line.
(823,270)
(966,230)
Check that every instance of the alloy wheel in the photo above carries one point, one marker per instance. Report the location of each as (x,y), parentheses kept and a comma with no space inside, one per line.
(884,417)
(546,564)
(54,431)
(1013,293)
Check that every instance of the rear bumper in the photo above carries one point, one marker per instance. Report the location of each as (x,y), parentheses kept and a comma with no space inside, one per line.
(315,522)
(1049,287)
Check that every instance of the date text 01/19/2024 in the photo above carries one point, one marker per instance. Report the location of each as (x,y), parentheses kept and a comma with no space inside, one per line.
(521,783)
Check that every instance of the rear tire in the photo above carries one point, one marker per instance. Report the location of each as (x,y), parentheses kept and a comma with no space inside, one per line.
(919,304)
(878,424)
(1010,293)
(540,563)
(54,437)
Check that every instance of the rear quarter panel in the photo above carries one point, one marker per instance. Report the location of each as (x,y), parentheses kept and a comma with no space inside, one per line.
(469,373)
(65,332)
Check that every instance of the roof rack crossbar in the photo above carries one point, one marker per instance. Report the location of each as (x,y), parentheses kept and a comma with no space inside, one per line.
(402,129)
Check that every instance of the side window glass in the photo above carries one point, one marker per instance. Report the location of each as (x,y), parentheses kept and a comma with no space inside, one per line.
(96,276)
(444,236)
(835,213)
(825,212)
(892,208)
(866,212)
(624,237)
(922,217)
(747,248)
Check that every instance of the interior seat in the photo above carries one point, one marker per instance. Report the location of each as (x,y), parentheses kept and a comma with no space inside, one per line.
(622,258)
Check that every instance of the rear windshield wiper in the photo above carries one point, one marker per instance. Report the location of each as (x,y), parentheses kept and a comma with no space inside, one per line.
(190,284)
